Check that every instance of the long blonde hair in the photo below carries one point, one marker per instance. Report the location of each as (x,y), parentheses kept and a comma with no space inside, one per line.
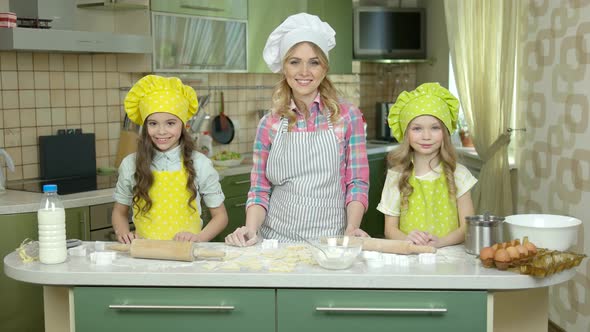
(401,158)
(283,94)
(144,178)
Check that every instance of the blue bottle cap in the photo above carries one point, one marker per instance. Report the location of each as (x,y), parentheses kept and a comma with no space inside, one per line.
(49,188)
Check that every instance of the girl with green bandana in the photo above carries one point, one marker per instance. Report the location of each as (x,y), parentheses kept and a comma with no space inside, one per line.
(426,196)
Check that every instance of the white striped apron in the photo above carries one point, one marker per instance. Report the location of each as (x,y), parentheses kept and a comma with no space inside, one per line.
(307,198)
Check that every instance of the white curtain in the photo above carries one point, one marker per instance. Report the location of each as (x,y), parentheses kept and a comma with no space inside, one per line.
(484,39)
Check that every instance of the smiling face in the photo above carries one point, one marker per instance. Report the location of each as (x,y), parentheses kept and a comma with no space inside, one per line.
(425,135)
(164,129)
(304,70)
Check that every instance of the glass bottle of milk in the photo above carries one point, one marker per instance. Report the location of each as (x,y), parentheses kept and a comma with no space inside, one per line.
(51,219)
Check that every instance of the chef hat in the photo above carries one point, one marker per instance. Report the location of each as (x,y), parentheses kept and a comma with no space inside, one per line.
(154,94)
(427,99)
(295,29)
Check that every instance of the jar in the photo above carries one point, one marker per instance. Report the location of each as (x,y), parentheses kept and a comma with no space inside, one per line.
(482,231)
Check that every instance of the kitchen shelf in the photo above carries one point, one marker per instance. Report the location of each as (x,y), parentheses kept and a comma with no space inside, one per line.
(430,61)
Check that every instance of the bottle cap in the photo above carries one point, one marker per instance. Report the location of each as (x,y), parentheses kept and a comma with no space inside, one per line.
(49,188)
(205,133)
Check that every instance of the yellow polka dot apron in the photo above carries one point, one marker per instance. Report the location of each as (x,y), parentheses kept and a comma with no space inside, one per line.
(429,208)
(170,212)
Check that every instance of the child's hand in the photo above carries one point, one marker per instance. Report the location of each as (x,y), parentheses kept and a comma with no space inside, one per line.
(242,237)
(420,238)
(126,237)
(434,241)
(186,237)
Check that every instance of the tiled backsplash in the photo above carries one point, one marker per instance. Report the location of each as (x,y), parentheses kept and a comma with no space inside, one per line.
(41,93)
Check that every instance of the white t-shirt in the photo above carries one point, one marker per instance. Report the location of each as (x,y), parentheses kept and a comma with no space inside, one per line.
(391,198)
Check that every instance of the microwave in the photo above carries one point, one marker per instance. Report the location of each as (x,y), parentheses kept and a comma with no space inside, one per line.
(389,33)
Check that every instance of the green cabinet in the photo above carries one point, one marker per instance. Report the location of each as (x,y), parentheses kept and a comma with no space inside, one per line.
(236,9)
(173,309)
(235,188)
(373,220)
(380,310)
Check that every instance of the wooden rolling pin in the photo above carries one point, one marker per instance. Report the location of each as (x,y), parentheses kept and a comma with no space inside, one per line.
(395,246)
(166,249)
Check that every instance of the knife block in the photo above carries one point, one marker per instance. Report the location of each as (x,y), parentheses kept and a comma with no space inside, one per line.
(127,145)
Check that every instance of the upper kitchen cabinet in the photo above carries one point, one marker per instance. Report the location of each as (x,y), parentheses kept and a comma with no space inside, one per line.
(121,26)
(233,9)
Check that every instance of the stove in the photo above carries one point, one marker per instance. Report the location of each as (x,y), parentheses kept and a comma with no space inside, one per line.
(65,186)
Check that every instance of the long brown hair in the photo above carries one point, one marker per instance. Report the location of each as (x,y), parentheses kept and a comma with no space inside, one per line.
(144,178)
(282,94)
(401,158)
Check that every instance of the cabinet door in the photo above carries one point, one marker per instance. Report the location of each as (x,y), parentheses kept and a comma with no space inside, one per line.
(236,185)
(263,17)
(339,15)
(21,303)
(217,8)
(373,220)
(380,310)
(78,223)
(236,212)
(173,309)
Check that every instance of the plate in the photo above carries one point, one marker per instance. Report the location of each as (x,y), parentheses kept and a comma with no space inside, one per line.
(228,163)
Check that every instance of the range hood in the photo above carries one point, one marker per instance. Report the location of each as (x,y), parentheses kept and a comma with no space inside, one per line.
(111,5)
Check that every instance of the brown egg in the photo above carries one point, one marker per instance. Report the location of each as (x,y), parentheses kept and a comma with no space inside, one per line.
(502,259)
(514,254)
(486,256)
(515,242)
(496,246)
(531,248)
(523,251)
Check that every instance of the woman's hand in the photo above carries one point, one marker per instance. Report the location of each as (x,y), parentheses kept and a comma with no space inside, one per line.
(126,237)
(356,232)
(187,236)
(242,237)
(420,238)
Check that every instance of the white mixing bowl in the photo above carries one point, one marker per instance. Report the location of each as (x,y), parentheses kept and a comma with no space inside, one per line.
(543,230)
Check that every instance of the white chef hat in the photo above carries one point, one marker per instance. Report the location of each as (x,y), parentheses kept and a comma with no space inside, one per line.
(295,29)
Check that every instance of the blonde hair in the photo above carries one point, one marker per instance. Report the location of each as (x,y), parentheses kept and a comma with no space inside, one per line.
(401,158)
(283,94)
(144,178)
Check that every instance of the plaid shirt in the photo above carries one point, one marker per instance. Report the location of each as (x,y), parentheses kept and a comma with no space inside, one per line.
(354,167)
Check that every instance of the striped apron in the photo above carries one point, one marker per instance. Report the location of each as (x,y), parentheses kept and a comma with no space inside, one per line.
(307,197)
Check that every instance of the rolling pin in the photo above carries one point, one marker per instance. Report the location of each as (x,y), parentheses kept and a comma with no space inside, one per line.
(166,250)
(395,246)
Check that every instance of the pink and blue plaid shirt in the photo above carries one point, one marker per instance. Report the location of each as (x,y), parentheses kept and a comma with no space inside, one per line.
(354,167)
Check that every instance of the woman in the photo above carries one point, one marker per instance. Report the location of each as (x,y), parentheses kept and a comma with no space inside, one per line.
(310,175)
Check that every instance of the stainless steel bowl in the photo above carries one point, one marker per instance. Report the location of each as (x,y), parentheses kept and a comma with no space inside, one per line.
(482,231)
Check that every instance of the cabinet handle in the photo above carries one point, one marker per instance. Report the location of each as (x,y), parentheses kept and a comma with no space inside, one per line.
(240,204)
(89,41)
(211,9)
(242,182)
(172,307)
(383,310)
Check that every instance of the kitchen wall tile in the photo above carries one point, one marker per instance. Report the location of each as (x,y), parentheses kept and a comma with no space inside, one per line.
(100,114)
(125,80)
(16,175)
(111,62)
(101,131)
(16,155)
(12,137)
(85,80)
(42,98)
(73,116)
(9,80)
(31,171)
(57,80)
(30,155)
(8,61)
(24,61)
(56,62)
(43,116)
(26,98)
(99,80)
(11,118)
(72,80)
(102,148)
(112,80)
(2,138)
(56,128)
(9,99)
(86,115)
(86,97)
(100,97)
(88,128)
(41,61)
(114,129)
(98,62)
(72,98)
(1,115)
(113,114)
(44,131)
(113,97)
(28,136)
(42,80)
(84,62)
(28,118)
(58,116)
(103,162)
(25,80)
(57,98)
(71,62)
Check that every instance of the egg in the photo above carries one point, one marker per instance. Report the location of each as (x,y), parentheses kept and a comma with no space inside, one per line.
(514,254)
(523,251)
(486,256)
(502,259)
(531,248)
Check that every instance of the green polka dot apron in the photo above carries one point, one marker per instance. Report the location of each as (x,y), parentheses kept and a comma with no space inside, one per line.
(429,208)
(170,213)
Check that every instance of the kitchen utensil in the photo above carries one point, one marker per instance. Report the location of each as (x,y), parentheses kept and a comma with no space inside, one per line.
(544,230)
(166,250)
(62,156)
(196,121)
(222,128)
(482,231)
(395,246)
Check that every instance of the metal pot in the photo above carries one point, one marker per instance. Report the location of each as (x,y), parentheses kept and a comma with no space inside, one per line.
(482,231)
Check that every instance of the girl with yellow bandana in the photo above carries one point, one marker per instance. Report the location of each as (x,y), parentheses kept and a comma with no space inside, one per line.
(426,196)
(164,181)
